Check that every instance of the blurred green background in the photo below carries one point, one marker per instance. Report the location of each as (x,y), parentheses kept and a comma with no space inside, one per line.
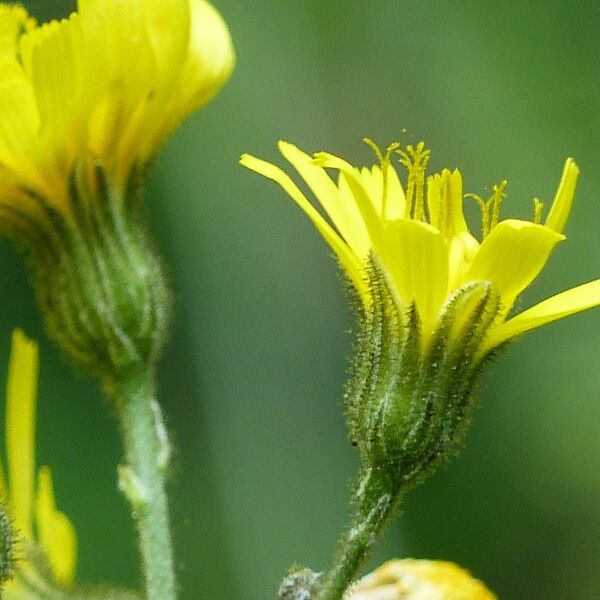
(251,381)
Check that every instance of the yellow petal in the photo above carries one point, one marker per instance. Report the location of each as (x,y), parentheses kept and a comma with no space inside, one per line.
(562,305)
(19,125)
(393,194)
(168,25)
(20,429)
(344,215)
(56,534)
(211,56)
(512,256)
(367,206)
(13,21)
(416,257)
(348,259)
(113,35)
(208,64)
(445,203)
(561,207)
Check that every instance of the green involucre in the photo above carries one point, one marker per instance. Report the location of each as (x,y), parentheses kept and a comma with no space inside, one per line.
(99,284)
(411,394)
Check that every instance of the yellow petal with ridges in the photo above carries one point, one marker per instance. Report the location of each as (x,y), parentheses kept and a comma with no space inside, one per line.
(561,207)
(562,305)
(343,214)
(512,256)
(417,259)
(445,203)
(55,532)
(348,259)
(20,429)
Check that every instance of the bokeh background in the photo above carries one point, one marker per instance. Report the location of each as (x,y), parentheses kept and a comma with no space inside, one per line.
(252,379)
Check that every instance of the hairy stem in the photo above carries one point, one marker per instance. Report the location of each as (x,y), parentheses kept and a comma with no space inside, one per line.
(142,479)
(373,506)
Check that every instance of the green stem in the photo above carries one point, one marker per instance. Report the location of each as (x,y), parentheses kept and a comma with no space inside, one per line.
(373,506)
(142,479)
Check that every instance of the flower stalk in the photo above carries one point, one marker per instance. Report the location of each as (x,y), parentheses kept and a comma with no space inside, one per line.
(142,479)
(374,503)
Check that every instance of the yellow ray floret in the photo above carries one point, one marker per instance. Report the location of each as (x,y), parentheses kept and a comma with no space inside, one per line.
(421,239)
(419,580)
(31,504)
(113,81)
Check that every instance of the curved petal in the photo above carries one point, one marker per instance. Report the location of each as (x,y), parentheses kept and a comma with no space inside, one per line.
(562,305)
(56,534)
(416,257)
(348,259)
(20,429)
(354,179)
(341,208)
(512,256)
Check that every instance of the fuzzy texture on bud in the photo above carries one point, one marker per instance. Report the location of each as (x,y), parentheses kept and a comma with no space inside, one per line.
(410,399)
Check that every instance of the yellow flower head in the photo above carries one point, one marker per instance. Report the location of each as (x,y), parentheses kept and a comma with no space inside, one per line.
(30,500)
(110,82)
(435,299)
(419,580)
(420,238)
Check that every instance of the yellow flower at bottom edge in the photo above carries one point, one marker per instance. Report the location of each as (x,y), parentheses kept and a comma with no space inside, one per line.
(420,239)
(40,528)
(419,580)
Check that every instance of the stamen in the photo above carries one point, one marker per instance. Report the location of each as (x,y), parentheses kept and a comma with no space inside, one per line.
(490,208)
(485,213)
(384,162)
(415,160)
(496,200)
(538,210)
